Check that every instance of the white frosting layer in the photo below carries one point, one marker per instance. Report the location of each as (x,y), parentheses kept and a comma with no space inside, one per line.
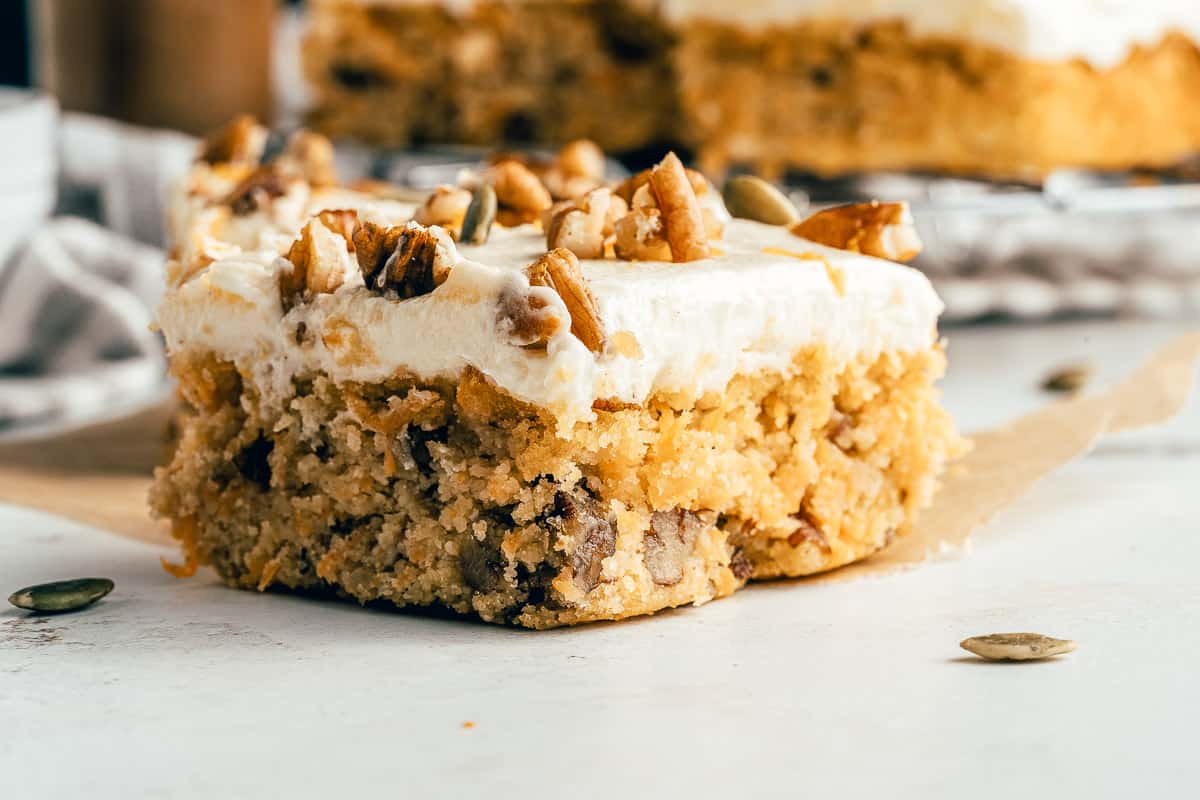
(680,328)
(1101,32)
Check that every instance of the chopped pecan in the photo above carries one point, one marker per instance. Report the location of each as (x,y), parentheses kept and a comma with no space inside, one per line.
(318,261)
(445,207)
(806,531)
(628,187)
(576,169)
(520,195)
(526,319)
(341,220)
(639,236)
(741,566)
(242,141)
(257,190)
(884,230)
(309,156)
(585,226)
(582,519)
(559,270)
(668,543)
(407,260)
(683,221)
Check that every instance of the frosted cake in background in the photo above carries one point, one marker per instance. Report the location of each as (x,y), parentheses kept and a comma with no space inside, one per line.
(1008,88)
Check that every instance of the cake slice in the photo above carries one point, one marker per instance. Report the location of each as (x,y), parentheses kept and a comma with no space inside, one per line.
(1001,88)
(538,414)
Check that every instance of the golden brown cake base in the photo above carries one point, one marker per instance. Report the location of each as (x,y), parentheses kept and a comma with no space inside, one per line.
(505,72)
(821,96)
(455,495)
(834,98)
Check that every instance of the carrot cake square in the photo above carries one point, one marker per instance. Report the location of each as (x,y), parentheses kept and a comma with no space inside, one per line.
(534,412)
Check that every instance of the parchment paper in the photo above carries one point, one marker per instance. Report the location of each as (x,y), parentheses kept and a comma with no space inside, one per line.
(100,474)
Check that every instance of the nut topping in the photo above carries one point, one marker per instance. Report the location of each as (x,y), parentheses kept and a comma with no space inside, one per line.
(445,207)
(585,226)
(480,216)
(318,259)
(559,270)
(405,261)
(884,230)
(242,141)
(309,156)
(750,197)
(257,190)
(520,195)
(682,220)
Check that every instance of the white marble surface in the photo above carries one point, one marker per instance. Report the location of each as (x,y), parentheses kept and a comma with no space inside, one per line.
(183,689)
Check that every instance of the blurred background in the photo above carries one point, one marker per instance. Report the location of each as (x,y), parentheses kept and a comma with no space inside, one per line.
(103,101)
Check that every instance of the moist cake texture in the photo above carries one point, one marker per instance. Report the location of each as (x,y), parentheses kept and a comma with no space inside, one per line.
(377,408)
(1006,88)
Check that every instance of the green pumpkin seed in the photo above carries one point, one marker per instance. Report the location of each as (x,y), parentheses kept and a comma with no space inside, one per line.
(61,595)
(1016,646)
(480,216)
(750,197)
(1069,379)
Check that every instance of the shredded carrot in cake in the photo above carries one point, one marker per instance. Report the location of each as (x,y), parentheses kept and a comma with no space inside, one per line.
(184,530)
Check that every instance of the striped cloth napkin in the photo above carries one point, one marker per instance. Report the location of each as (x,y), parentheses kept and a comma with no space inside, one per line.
(77,295)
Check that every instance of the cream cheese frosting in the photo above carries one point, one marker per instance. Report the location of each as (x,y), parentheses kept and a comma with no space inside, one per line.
(676,328)
(1101,32)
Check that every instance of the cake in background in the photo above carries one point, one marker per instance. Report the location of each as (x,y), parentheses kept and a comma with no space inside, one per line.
(1003,88)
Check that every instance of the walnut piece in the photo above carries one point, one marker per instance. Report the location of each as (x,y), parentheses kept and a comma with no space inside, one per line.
(526,319)
(308,156)
(318,259)
(257,190)
(241,141)
(403,261)
(520,195)
(884,230)
(559,270)
(585,226)
(668,543)
(445,207)
(581,519)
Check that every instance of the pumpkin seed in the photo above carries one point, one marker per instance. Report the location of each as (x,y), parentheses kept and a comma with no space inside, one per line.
(1068,379)
(1016,646)
(480,216)
(61,595)
(750,197)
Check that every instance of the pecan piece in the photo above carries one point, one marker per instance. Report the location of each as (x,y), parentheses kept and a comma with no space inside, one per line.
(582,519)
(257,190)
(309,156)
(242,141)
(682,220)
(559,270)
(446,206)
(318,260)
(884,230)
(520,195)
(405,261)
(668,543)
(585,226)
(806,531)
(526,319)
